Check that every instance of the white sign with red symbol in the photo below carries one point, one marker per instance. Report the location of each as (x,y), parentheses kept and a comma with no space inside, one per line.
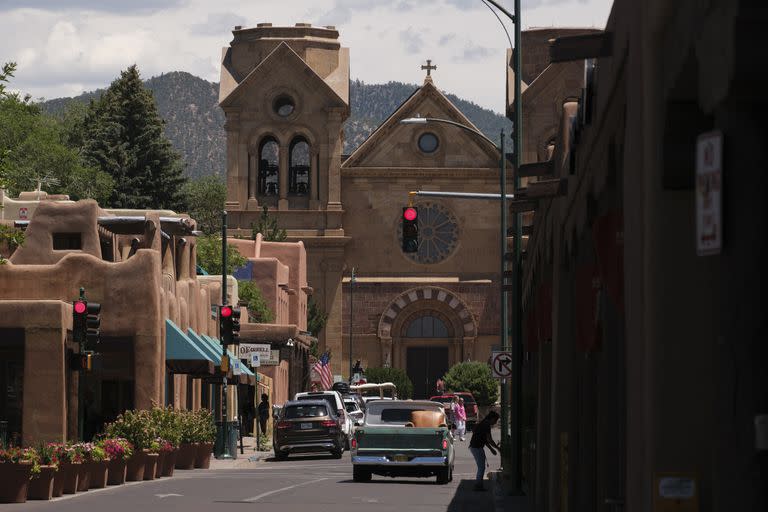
(23,212)
(709,186)
(501,364)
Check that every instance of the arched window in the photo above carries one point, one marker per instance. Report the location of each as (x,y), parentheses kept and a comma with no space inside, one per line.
(427,327)
(298,167)
(269,164)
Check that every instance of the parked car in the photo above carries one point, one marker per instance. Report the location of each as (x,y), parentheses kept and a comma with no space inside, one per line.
(354,410)
(403,438)
(335,400)
(446,401)
(470,405)
(307,426)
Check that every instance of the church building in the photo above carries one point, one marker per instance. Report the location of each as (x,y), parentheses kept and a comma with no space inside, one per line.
(285,93)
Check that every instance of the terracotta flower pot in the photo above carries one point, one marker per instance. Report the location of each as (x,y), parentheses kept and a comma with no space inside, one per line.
(150,465)
(116,472)
(160,462)
(58,481)
(185,458)
(84,477)
(97,473)
(14,481)
(70,472)
(170,462)
(135,467)
(203,457)
(41,485)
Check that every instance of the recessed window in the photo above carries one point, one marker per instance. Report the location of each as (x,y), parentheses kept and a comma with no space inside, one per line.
(67,242)
(428,142)
(284,106)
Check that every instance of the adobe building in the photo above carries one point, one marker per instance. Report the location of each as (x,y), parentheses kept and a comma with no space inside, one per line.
(285,95)
(644,382)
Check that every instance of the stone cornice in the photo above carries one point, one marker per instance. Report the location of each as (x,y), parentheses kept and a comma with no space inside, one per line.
(421,172)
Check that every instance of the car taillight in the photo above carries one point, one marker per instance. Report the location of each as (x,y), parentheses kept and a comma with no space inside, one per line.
(353,443)
(445,444)
(328,423)
(284,424)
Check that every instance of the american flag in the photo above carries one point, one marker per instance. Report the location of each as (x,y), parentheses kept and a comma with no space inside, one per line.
(323,369)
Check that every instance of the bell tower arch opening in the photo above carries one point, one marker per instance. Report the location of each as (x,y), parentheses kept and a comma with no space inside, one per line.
(269,170)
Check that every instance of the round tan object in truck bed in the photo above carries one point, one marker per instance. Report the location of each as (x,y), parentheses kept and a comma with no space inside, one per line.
(427,419)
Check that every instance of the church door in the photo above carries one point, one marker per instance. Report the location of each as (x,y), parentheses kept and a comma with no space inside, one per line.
(424,366)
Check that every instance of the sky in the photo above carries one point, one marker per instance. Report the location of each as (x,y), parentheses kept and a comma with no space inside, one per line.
(65,47)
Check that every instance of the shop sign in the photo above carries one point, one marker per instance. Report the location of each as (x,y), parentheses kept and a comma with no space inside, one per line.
(709,181)
(267,356)
(676,492)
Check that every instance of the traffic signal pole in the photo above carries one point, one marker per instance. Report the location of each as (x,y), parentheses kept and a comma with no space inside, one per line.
(224,419)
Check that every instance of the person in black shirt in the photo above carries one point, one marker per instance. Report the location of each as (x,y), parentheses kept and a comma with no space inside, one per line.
(481,437)
(263,413)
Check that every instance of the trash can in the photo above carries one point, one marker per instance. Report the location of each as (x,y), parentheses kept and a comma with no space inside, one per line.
(232,442)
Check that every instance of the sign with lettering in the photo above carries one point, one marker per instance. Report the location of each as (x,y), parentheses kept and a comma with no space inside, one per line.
(267,356)
(675,492)
(709,183)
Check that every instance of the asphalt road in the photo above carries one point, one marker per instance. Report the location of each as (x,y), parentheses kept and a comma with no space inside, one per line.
(300,484)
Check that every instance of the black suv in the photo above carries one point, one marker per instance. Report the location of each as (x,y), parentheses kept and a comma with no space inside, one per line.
(308,426)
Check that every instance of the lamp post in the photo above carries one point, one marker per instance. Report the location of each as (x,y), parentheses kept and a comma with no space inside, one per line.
(505,401)
(352,282)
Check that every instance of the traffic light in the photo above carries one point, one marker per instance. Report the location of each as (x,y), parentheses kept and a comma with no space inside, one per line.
(93,321)
(79,320)
(235,326)
(225,324)
(410,229)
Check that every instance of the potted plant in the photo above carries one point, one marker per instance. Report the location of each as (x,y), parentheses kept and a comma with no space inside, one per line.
(41,485)
(165,450)
(206,435)
(185,457)
(118,451)
(137,428)
(70,460)
(169,428)
(16,467)
(97,465)
(151,457)
(84,475)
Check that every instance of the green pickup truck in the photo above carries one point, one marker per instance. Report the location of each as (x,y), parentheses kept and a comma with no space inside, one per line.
(403,438)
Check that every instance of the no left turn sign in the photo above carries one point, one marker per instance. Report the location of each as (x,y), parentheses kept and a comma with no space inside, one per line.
(501,364)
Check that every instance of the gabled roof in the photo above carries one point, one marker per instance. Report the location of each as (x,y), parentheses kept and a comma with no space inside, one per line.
(281,56)
(409,108)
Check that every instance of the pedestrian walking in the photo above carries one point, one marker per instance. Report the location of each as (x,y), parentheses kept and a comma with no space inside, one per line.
(263,413)
(481,437)
(459,416)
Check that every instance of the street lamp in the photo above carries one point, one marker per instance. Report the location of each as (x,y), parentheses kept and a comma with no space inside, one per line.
(505,402)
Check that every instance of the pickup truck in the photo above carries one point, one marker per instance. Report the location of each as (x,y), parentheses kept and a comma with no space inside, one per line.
(403,438)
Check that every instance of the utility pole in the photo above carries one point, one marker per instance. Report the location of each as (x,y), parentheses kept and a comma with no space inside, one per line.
(351,302)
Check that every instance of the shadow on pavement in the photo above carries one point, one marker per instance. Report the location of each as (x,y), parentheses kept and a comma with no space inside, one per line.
(302,458)
(467,499)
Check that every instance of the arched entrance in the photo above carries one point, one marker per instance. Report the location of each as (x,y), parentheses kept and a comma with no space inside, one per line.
(425,331)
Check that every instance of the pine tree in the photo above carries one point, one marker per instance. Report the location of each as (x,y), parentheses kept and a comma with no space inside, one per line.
(267,226)
(123,136)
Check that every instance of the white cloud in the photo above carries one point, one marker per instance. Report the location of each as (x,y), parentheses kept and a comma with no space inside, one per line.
(66,46)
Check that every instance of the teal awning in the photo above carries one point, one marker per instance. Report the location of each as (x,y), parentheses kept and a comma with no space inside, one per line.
(183,354)
(244,370)
(213,351)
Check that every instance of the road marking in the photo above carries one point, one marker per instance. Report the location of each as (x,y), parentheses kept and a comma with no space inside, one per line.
(162,496)
(270,493)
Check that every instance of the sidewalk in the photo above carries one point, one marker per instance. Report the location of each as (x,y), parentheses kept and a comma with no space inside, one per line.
(502,501)
(248,459)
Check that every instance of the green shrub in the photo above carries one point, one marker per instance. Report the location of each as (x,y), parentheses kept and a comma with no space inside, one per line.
(395,375)
(135,426)
(476,378)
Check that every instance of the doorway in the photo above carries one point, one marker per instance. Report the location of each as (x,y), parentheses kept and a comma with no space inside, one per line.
(11,385)
(424,366)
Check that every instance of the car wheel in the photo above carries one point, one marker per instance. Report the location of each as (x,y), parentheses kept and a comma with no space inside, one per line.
(280,455)
(443,476)
(361,475)
(450,475)
(346,440)
(337,454)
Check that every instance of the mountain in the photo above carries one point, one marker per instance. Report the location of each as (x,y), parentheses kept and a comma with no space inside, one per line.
(195,124)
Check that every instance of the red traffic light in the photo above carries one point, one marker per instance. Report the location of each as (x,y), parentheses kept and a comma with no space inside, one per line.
(409,214)
(80,307)
(226,311)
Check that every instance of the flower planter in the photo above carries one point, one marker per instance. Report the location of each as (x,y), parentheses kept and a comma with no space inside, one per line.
(70,472)
(185,458)
(116,472)
(135,467)
(14,481)
(41,485)
(83,477)
(160,462)
(169,463)
(203,457)
(150,465)
(97,474)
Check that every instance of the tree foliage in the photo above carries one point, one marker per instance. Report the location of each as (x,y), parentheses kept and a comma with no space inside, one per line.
(205,199)
(209,255)
(474,377)
(316,317)
(122,135)
(34,152)
(258,309)
(267,226)
(395,375)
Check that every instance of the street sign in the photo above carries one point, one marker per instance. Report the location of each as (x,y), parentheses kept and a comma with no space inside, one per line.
(501,364)
(709,180)
(255,359)
(236,370)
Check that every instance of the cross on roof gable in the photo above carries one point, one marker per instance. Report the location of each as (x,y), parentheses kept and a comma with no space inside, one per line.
(283,55)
